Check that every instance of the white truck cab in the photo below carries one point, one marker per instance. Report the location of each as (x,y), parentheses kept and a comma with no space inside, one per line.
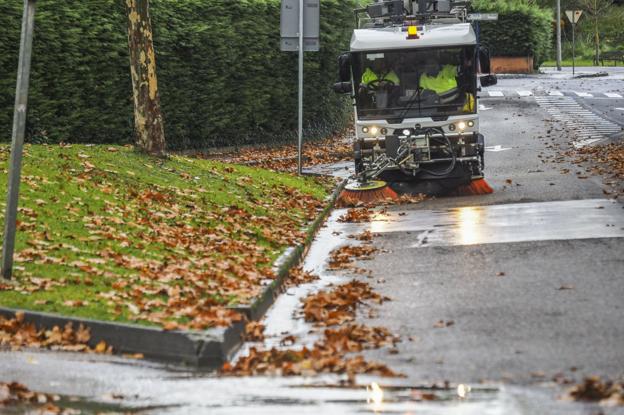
(413,81)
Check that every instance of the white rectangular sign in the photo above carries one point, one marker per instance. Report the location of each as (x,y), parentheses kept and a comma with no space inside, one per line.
(289,25)
(483,17)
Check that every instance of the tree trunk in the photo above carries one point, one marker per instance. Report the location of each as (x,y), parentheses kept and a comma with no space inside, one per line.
(148,122)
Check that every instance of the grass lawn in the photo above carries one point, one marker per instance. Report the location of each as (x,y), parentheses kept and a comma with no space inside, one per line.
(107,233)
(568,62)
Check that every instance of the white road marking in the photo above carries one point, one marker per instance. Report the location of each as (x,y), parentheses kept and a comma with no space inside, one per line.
(583,94)
(586,142)
(483,107)
(587,127)
(496,93)
(525,93)
(555,93)
(613,95)
(619,109)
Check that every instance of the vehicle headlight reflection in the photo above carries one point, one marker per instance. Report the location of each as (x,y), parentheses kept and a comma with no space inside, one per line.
(468,220)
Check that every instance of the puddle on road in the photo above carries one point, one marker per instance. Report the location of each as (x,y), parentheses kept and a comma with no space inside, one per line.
(518,222)
(101,382)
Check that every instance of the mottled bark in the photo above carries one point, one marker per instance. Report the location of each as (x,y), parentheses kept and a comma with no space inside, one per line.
(148,122)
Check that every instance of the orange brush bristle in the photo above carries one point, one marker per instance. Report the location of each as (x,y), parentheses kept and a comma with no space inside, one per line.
(351,197)
(475,188)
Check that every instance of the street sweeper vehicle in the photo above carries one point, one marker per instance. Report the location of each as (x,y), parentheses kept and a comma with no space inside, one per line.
(412,72)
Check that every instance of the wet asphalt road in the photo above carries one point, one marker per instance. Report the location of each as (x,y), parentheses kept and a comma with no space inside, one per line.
(558,305)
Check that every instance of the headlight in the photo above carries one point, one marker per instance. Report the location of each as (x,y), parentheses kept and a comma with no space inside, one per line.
(461,125)
(384,131)
(451,127)
(365,130)
(374,130)
(407,132)
(470,123)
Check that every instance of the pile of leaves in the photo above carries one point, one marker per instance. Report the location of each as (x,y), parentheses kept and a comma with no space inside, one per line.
(254,331)
(343,257)
(607,161)
(16,333)
(297,276)
(338,305)
(403,199)
(594,389)
(107,233)
(357,215)
(14,393)
(306,362)
(326,308)
(284,158)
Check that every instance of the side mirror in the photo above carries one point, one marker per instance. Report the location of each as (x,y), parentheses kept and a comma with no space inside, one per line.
(488,80)
(344,67)
(484,59)
(343,87)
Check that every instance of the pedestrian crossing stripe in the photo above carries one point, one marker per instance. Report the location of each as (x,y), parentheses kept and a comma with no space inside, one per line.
(585,126)
(552,93)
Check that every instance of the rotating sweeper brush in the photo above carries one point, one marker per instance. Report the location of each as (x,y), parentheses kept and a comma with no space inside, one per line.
(358,193)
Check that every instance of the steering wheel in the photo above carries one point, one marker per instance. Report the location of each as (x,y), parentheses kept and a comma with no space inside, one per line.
(376,84)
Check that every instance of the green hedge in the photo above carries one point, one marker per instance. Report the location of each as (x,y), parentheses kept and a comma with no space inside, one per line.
(521,29)
(223,80)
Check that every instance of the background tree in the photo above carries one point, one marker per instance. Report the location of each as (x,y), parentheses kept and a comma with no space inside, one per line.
(597,9)
(148,123)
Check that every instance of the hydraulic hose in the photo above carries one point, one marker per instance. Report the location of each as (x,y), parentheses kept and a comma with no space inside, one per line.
(451,167)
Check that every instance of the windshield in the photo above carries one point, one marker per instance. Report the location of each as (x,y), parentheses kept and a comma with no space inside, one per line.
(415,83)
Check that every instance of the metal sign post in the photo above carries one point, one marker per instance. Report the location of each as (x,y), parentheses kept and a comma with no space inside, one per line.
(300,21)
(558,12)
(573,17)
(300,100)
(17,143)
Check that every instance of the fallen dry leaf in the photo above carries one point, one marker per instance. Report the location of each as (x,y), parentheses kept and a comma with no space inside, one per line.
(254,331)
(594,389)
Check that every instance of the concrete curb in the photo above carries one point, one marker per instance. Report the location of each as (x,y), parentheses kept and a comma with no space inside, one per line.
(206,349)
(286,262)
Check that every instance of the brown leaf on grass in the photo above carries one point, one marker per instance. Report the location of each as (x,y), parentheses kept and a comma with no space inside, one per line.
(284,158)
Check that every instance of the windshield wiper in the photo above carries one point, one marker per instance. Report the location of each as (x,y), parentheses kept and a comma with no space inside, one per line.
(410,104)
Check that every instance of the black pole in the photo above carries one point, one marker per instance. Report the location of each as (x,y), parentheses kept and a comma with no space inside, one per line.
(17,143)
